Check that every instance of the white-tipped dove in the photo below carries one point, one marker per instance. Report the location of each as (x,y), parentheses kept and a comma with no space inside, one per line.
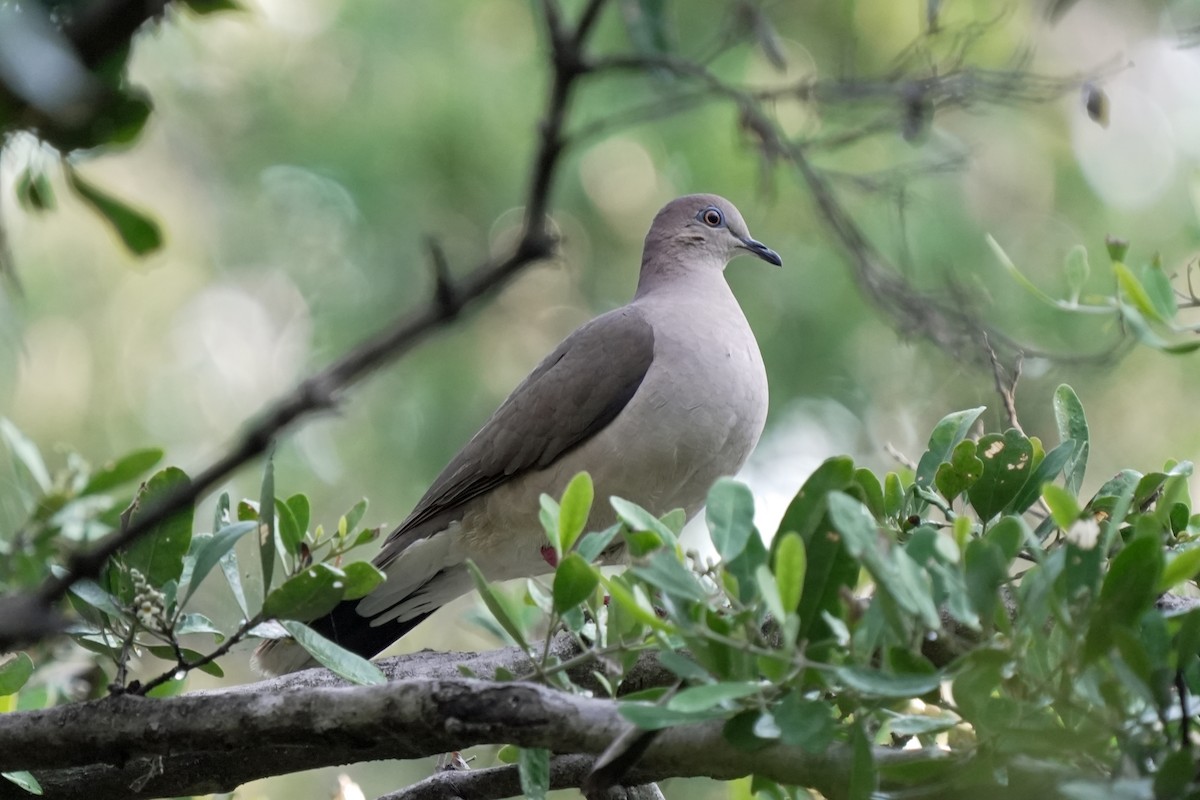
(656,399)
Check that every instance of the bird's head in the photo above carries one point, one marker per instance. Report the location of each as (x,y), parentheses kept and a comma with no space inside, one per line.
(702,228)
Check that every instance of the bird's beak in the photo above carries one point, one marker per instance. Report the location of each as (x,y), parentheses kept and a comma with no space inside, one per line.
(762,251)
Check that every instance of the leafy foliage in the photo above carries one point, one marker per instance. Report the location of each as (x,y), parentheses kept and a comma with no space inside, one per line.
(1026,643)
(144,602)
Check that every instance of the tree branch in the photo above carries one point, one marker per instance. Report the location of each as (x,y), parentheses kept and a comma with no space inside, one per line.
(253,734)
(322,390)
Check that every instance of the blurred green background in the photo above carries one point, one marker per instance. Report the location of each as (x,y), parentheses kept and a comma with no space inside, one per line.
(301,151)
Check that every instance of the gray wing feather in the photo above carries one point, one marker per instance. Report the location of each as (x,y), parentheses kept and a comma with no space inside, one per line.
(573,394)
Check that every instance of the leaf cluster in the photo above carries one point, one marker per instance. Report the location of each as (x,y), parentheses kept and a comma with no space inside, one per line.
(975,608)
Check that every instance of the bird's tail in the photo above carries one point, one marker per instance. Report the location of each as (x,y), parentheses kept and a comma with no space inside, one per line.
(343,626)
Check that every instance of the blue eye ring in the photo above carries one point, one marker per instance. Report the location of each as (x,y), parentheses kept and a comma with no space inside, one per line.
(711,216)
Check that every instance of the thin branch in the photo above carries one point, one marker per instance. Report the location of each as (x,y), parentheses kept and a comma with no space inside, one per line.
(182,664)
(323,390)
(1006,387)
(566,772)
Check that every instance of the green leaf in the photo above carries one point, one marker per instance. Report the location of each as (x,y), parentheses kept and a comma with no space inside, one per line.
(920,724)
(548,516)
(574,510)
(674,519)
(574,581)
(946,435)
(1131,585)
(893,569)
(25,780)
(307,595)
(831,569)
(712,695)
(887,685)
(507,754)
(1009,534)
(805,723)
(290,533)
(266,519)
(1044,473)
(632,603)
(26,454)
(301,513)
(964,468)
(202,7)
(872,490)
(1007,464)
(168,654)
(593,544)
(730,517)
(1159,290)
(350,666)
(664,572)
(1072,424)
(682,666)
(652,718)
(1132,288)
(1017,275)
(1129,590)
(864,777)
(1064,508)
(1174,775)
(361,579)
(791,564)
(197,623)
(15,670)
(221,512)
(893,495)
(127,468)
(93,594)
(1183,566)
(744,568)
(159,554)
(1076,270)
(986,570)
(769,592)
(233,576)
(497,607)
(533,766)
(349,521)
(211,553)
(140,233)
(637,518)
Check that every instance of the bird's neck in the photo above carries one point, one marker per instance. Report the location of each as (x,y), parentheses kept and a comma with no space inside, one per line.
(673,276)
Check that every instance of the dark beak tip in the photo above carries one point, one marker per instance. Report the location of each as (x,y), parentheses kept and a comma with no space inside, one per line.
(762,251)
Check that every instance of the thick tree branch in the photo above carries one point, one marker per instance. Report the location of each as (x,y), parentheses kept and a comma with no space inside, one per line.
(265,732)
(322,390)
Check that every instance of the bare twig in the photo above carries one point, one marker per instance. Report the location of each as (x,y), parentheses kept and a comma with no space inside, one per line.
(1006,386)
(182,664)
(899,457)
(322,390)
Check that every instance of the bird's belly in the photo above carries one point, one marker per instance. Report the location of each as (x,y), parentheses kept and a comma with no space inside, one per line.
(664,451)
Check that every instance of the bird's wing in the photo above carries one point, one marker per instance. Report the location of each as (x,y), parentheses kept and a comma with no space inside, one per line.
(572,395)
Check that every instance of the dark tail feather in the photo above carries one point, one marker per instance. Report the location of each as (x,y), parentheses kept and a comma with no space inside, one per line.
(343,626)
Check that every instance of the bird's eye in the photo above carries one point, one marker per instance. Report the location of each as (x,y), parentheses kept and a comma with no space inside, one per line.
(711,217)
